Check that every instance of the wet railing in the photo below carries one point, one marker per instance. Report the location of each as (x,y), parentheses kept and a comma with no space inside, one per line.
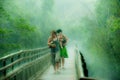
(24,64)
(80,65)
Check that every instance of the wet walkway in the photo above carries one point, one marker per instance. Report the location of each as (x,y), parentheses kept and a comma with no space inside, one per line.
(68,73)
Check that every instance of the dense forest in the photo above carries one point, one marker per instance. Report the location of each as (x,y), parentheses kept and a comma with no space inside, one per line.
(23,28)
(26,24)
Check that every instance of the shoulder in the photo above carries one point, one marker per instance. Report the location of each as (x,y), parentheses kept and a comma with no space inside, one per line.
(49,38)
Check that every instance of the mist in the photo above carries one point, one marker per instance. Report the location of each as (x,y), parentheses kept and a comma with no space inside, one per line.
(94,25)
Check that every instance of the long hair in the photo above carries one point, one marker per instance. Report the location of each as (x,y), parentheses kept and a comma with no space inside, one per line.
(53,33)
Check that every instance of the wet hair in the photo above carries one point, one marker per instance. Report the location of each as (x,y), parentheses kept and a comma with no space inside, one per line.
(53,32)
(59,30)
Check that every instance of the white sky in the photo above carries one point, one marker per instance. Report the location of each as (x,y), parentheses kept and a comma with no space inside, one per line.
(70,10)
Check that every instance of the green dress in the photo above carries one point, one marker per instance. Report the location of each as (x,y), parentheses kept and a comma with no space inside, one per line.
(63,52)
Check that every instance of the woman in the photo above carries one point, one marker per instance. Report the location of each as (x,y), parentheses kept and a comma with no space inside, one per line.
(53,43)
(63,51)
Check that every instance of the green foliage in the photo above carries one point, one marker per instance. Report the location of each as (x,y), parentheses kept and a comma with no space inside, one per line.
(104,10)
(23,28)
(114,23)
(99,36)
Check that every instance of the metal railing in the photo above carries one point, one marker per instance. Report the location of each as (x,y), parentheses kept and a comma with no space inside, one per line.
(24,64)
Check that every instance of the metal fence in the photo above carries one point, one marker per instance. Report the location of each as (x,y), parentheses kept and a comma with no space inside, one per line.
(24,64)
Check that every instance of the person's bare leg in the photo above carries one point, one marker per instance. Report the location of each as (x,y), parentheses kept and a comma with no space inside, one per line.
(63,61)
(55,69)
(57,66)
(60,63)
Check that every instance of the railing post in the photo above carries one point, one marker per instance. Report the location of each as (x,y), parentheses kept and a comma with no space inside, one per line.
(12,59)
(4,64)
(19,58)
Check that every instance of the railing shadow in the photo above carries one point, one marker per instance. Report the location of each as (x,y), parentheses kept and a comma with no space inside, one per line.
(84,66)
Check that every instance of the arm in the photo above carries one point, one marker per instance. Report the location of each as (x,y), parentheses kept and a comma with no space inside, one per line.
(61,44)
(66,40)
(49,40)
(50,43)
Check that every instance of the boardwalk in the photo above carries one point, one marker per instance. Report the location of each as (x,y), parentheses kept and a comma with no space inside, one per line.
(68,73)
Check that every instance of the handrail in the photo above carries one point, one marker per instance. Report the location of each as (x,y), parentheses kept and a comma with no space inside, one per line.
(19,52)
(79,66)
(12,62)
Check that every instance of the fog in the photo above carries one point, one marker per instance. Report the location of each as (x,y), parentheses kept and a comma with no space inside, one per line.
(92,24)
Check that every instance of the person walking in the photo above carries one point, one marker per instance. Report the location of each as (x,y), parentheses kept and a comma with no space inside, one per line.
(54,44)
(63,51)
